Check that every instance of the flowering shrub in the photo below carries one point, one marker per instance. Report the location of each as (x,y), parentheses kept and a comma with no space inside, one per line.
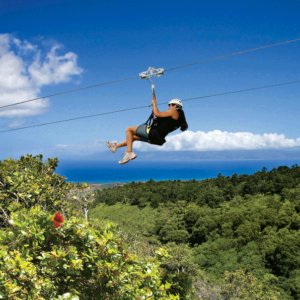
(46,254)
(29,182)
(74,261)
(58,220)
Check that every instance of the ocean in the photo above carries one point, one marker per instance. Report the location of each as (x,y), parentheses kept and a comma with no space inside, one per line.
(110,171)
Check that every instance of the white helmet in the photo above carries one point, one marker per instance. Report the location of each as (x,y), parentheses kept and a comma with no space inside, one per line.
(177,102)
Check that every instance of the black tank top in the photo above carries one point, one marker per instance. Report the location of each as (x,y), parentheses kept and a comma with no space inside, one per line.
(167,125)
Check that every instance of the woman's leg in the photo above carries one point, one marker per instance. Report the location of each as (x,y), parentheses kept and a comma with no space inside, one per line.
(130,138)
(124,143)
(130,132)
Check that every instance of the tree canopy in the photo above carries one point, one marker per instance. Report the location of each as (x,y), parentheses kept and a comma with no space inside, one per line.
(247,222)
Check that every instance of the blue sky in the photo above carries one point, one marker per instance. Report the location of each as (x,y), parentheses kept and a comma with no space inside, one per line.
(54,46)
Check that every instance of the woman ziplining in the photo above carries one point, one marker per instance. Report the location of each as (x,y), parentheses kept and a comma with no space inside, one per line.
(163,123)
(157,127)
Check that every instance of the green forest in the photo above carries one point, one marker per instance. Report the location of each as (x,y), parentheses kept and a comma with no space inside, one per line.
(224,238)
(248,223)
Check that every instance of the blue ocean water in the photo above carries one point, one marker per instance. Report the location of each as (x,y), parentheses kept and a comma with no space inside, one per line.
(110,171)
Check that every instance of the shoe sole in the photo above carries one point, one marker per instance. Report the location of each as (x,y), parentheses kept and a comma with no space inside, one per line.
(128,160)
(107,144)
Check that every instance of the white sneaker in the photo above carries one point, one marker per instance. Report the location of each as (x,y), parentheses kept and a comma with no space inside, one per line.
(127,158)
(112,146)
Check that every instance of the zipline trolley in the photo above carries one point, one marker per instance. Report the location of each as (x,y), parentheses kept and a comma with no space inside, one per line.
(151,74)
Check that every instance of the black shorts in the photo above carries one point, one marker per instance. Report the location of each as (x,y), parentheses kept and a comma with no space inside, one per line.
(149,135)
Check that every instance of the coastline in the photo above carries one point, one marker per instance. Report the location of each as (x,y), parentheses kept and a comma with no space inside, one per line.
(100,185)
(106,174)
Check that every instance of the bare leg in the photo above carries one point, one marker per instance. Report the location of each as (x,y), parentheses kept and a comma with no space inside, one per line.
(124,143)
(130,132)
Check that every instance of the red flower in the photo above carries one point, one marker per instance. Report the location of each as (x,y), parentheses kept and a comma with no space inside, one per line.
(56,224)
(58,220)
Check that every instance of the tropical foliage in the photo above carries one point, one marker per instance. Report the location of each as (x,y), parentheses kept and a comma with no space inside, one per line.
(28,182)
(243,223)
(225,238)
(46,253)
(40,260)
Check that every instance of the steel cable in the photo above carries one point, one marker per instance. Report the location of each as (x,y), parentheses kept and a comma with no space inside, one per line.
(76,90)
(127,109)
(203,61)
(100,84)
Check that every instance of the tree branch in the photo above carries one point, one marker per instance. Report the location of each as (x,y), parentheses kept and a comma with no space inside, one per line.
(6,217)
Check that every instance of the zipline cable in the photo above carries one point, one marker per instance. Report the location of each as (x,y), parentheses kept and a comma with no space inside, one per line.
(100,84)
(203,61)
(121,110)
(76,90)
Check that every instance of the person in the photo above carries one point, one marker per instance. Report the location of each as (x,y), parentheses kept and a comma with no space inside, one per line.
(162,124)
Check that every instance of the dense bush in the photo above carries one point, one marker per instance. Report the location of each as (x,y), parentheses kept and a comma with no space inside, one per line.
(69,260)
(235,286)
(43,259)
(28,182)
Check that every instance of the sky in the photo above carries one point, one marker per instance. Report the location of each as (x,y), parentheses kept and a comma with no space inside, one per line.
(50,46)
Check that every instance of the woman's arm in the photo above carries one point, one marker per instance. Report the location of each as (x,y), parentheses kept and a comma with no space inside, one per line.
(162,114)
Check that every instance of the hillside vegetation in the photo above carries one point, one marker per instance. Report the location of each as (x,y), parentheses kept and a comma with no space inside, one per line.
(225,238)
(247,225)
(49,251)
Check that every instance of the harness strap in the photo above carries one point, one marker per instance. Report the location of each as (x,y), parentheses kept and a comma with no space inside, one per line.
(149,122)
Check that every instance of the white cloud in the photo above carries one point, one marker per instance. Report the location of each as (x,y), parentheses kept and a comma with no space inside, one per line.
(217,140)
(86,148)
(24,70)
(16,123)
(54,69)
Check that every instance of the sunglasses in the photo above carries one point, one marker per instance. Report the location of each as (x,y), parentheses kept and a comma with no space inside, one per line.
(171,104)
